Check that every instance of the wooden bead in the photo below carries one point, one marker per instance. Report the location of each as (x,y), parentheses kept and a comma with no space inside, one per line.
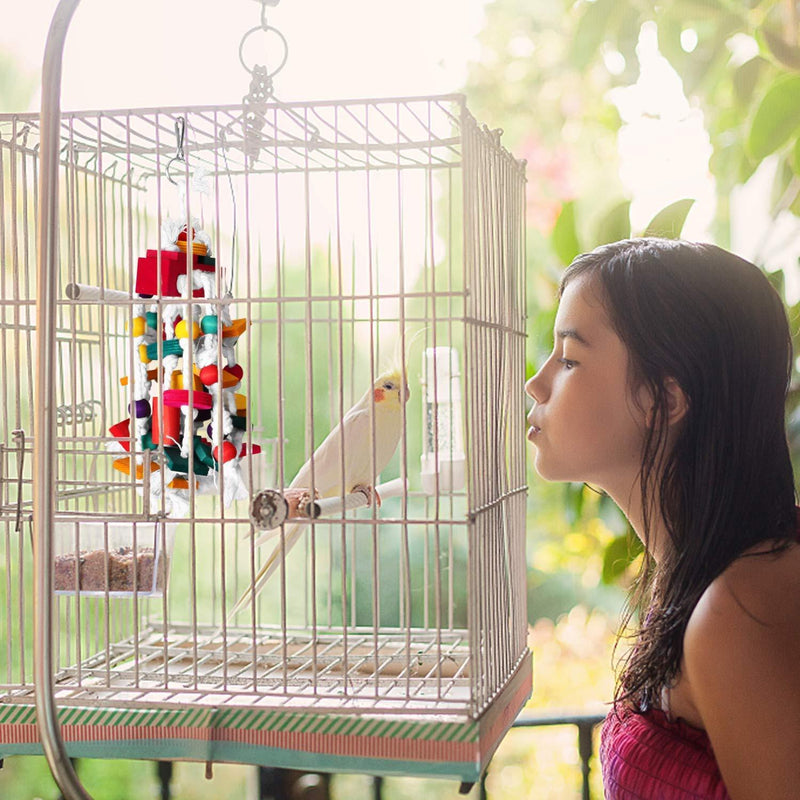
(209,323)
(139,326)
(209,375)
(228,451)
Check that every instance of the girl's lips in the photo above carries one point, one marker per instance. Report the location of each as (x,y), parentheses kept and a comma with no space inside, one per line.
(534,428)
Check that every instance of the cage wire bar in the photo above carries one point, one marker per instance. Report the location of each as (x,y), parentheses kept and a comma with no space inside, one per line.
(346,235)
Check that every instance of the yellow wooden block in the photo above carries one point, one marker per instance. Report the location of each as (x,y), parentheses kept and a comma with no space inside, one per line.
(177,382)
(236,328)
(152,374)
(124,465)
(198,248)
(179,482)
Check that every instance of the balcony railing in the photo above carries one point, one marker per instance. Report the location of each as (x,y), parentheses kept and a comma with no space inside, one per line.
(276,784)
(584,722)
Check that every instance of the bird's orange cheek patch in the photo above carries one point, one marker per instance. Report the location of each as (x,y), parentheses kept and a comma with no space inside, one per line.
(378,395)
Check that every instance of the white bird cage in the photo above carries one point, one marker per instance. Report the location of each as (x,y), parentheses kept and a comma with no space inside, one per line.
(393,641)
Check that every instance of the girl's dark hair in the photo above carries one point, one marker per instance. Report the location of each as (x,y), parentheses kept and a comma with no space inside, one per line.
(711,321)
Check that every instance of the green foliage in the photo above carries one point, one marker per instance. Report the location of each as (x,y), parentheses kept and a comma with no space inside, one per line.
(16,86)
(565,234)
(777,118)
(25,777)
(739,63)
(619,555)
(594,26)
(616,224)
(669,222)
(787,55)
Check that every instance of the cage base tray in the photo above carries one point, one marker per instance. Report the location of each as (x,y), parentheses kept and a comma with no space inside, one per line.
(393,722)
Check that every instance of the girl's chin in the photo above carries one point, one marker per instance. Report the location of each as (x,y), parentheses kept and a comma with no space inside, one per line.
(550,472)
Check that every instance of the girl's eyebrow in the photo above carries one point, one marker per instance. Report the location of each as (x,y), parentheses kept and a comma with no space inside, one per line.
(571,333)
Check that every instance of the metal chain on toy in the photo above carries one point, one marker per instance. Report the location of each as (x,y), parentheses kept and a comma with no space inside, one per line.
(262,90)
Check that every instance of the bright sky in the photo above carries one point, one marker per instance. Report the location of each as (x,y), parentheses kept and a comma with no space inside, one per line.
(664,149)
(168,52)
(186,52)
(664,152)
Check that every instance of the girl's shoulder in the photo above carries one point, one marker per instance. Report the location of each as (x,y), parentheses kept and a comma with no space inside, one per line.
(748,619)
(740,666)
(761,588)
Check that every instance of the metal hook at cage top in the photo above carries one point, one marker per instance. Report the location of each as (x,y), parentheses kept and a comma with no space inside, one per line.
(180,135)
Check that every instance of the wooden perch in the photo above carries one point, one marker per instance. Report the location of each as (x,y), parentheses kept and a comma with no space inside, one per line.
(270,507)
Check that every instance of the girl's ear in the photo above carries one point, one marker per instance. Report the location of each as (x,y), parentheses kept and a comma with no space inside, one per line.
(677,402)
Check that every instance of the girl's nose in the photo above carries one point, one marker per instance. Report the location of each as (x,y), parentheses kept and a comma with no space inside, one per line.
(535,387)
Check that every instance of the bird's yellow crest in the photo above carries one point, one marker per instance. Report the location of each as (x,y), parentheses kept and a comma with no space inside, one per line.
(391,389)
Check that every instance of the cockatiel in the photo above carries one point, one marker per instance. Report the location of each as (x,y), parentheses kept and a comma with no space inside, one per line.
(388,395)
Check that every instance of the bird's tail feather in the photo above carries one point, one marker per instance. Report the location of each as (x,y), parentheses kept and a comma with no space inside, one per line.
(265,536)
(290,538)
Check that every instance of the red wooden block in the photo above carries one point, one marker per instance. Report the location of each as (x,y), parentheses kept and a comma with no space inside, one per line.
(180,397)
(173,264)
(236,371)
(168,431)
(122,432)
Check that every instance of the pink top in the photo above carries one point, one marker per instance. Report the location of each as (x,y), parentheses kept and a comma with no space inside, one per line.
(649,757)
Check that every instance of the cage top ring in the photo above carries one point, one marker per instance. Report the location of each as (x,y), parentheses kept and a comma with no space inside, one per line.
(268,30)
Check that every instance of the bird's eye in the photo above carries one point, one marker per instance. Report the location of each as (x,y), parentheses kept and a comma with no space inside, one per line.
(388,386)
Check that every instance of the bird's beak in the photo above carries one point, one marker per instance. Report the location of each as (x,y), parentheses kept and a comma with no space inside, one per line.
(408,393)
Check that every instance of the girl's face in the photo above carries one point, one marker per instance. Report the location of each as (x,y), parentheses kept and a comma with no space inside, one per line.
(585,424)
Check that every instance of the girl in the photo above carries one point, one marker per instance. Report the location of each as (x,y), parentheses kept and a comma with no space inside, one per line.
(666,388)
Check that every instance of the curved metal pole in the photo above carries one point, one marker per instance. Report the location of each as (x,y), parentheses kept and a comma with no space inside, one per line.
(44,448)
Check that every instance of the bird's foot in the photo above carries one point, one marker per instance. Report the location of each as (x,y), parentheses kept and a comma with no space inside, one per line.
(297,499)
(368,491)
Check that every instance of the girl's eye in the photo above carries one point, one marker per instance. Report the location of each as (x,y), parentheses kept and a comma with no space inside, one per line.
(568,363)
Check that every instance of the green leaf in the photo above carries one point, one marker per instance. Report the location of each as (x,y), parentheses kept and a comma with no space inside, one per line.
(794,206)
(619,555)
(616,224)
(669,40)
(778,280)
(669,222)
(573,502)
(784,53)
(611,515)
(627,38)
(781,184)
(794,160)
(700,9)
(591,31)
(794,314)
(745,79)
(777,118)
(565,235)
